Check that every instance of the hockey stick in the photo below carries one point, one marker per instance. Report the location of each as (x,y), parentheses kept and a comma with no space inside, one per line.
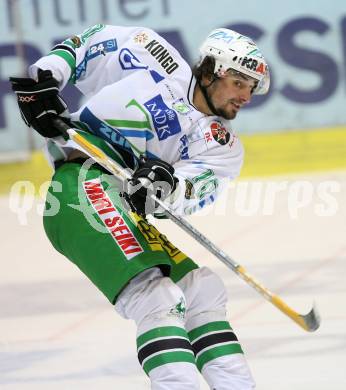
(310,321)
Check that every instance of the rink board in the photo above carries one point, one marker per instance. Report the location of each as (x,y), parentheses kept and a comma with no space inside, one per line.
(266,154)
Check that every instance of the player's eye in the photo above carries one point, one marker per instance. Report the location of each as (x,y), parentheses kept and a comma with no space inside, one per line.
(254,88)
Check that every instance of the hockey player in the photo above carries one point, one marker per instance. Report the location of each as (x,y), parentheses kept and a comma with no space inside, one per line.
(150,112)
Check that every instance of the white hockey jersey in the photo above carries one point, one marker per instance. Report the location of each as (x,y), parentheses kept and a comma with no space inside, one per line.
(141,99)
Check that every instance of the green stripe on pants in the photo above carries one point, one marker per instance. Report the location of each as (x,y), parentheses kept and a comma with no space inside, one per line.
(216,352)
(164,331)
(168,357)
(209,327)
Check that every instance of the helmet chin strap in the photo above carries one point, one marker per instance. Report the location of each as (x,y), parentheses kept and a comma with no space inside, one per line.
(210,104)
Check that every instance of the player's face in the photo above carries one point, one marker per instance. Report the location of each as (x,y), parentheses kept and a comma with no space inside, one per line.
(230,93)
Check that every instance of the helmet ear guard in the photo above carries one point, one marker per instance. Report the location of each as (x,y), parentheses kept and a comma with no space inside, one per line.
(232,50)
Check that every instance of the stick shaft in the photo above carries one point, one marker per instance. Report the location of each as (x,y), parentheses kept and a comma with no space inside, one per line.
(238,269)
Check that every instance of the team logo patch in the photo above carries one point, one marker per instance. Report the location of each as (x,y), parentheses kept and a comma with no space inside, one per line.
(141,38)
(219,133)
(179,309)
(165,119)
(111,218)
(189,190)
(129,61)
(76,41)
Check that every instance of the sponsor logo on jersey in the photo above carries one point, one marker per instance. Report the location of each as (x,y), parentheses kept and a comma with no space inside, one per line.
(103,130)
(129,61)
(111,218)
(100,48)
(80,69)
(184,147)
(208,136)
(181,107)
(165,120)
(232,141)
(219,133)
(162,56)
(141,38)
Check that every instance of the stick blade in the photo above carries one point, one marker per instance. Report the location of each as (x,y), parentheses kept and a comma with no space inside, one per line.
(312,320)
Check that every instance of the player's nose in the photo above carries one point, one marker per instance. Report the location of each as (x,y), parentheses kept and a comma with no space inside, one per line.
(245,96)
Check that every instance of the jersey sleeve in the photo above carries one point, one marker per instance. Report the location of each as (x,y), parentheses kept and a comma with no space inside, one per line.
(84,59)
(205,176)
(105,54)
(63,58)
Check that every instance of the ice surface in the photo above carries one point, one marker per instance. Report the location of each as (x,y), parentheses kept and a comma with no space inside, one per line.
(58,332)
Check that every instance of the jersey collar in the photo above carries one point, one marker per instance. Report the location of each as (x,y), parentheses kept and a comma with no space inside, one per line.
(191,90)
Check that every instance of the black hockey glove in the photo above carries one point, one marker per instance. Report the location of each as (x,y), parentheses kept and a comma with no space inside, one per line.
(151,177)
(39,102)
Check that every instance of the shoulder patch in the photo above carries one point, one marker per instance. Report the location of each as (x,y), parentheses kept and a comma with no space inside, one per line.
(76,41)
(141,38)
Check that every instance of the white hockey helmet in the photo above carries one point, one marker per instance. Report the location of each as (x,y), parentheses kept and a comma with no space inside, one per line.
(238,52)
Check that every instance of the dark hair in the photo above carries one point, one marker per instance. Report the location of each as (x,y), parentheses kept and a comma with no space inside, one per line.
(205,68)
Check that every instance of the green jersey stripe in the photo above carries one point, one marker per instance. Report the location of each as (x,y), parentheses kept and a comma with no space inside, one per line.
(70,43)
(213,353)
(168,357)
(128,124)
(104,145)
(207,328)
(67,56)
(161,332)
